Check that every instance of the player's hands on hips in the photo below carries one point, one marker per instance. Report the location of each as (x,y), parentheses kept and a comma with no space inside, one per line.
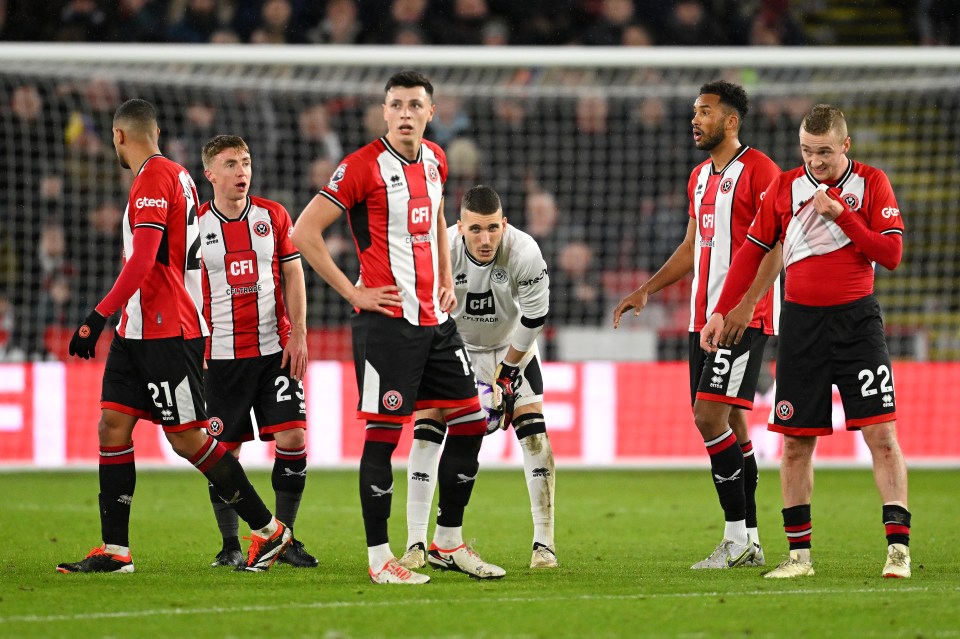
(84,341)
(295,353)
(735,323)
(710,335)
(636,300)
(505,382)
(381,299)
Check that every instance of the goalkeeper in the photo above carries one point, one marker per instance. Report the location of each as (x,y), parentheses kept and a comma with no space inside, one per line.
(503,292)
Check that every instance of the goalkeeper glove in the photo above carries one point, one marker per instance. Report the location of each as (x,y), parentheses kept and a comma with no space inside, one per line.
(505,383)
(84,341)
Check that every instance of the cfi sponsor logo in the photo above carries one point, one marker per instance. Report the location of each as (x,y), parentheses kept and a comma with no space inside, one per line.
(392,400)
(216,426)
(784,410)
(155,202)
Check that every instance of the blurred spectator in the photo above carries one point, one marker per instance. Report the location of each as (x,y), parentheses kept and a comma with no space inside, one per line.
(97,250)
(139,21)
(449,121)
(496,33)
(576,294)
(772,25)
(542,218)
(466,23)
(83,21)
(406,21)
(340,24)
(463,162)
(938,22)
(7,320)
(277,25)
(636,35)
(615,17)
(196,22)
(690,24)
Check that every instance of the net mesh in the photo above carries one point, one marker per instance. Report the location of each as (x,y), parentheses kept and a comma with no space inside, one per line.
(591,161)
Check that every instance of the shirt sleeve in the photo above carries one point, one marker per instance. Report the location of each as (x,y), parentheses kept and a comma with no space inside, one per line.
(533,282)
(346,186)
(151,197)
(286,251)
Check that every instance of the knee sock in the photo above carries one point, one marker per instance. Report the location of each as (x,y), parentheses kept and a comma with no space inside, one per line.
(226,474)
(457,473)
(896,520)
(118,478)
(796,523)
(751,478)
(422,468)
(726,465)
(289,478)
(227,520)
(376,481)
(539,470)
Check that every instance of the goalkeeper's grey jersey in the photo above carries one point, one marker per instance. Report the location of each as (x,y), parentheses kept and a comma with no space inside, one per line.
(492,297)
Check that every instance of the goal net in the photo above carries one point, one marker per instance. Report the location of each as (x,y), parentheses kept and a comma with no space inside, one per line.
(590,150)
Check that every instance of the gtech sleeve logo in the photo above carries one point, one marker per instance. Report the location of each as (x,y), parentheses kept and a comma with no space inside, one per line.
(890,212)
(152,202)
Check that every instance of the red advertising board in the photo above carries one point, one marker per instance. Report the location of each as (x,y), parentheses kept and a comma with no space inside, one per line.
(597,413)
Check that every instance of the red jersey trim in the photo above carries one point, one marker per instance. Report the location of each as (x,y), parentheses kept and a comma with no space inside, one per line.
(126,410)
(799,432)
(724,399)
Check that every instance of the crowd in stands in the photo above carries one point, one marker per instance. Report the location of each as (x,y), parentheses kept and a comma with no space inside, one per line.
(444,22)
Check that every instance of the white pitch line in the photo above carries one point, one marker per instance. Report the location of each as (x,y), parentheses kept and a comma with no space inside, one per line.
(319,605)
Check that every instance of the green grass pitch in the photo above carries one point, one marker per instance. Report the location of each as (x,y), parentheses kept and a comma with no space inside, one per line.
(625,539)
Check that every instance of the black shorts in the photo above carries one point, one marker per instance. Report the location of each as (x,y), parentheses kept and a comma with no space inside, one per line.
(730,375)
(156,379)
(235,386)
(825,345)
(401,367)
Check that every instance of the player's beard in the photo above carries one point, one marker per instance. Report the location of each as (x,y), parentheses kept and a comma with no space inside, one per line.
(123,163)
(710,141)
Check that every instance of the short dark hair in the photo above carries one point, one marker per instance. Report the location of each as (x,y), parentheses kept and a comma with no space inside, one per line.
(137,112)
(408,80)
(220,143)
(823,119)
(481,199)
(731,95)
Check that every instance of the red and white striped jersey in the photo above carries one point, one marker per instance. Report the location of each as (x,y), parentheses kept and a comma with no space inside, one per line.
(168,302)
(724,204)
(816,250)
(242,292)
(392,204)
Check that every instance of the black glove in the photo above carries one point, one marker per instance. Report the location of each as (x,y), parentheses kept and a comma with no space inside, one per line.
(84,341)
(505,383)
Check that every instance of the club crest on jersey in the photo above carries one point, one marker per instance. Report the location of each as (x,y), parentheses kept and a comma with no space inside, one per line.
(852,200)
(432,174)
(337,177)
(498,275)
(392,400)
(262,229)
(784,410)
(216,426)
(726,186)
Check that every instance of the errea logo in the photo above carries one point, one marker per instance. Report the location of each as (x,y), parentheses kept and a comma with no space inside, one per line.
(143,202)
